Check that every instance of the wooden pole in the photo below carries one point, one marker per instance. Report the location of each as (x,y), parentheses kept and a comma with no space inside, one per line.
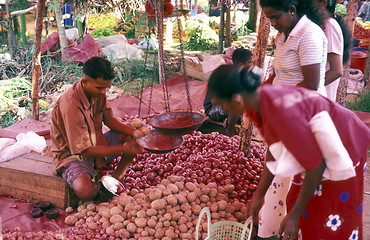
(221,30)
(343,83)
(60,25)
(228,28)
(258,59)
(36,71)
(9,28)
(262,41)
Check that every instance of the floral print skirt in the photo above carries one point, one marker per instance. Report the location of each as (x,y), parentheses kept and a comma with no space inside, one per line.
(335,210)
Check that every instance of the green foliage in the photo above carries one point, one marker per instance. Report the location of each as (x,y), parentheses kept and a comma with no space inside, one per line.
(240,29)
(11,91)
(13,88)
(103,32)
(100,20)
(361,102)
(341,10)
(132,75)
(200,37)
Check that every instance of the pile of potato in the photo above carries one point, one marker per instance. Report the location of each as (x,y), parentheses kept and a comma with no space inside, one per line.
(167,211)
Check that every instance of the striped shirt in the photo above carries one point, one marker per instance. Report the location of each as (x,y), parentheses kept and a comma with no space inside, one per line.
(305,45)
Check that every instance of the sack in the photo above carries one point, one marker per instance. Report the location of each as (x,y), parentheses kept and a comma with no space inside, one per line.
(26,142)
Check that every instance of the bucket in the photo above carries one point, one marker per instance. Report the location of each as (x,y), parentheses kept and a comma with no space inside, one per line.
(364,43)
(355,42)
(358,60)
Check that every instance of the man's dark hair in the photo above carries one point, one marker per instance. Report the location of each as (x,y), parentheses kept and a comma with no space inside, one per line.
(97,67)
(241,55)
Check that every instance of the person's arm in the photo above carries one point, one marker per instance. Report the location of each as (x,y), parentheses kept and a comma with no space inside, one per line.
(311,76)
(336,68)
(230,125)
(116,125)
(290,224)
(256,203)
(270,79)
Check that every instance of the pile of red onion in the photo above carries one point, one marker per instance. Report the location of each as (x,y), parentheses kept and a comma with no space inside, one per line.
(203,158)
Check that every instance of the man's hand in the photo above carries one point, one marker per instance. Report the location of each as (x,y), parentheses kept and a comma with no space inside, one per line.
(137,133)
(131,148)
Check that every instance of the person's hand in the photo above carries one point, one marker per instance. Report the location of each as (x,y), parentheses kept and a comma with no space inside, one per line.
(137,133)
(289,226)
(254,207)
(131,148)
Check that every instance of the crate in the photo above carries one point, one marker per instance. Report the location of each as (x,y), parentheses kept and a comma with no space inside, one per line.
(31,177)
(195,70)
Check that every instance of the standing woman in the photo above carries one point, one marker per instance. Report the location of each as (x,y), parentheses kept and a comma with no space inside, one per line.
(300,59)
(339,43)
(328,160)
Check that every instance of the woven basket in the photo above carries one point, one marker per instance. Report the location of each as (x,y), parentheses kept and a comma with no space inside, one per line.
(225,230)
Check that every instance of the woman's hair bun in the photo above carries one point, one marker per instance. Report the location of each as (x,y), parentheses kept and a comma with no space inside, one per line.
(251,79)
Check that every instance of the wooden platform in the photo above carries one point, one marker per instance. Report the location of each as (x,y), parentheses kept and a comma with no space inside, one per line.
(30,177)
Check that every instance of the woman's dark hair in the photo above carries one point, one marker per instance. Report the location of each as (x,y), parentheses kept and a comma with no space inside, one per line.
(227,80)
(97,67)
(313,12)
(347,37)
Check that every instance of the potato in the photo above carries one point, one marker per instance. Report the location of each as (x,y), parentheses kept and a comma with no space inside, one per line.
(136,123)
(71,220)
(158,204)
(144,129)
(191,197)
(92,225)
(118,226)
(131,227)
(69,210)
(151,212)
(116,219)
(173,188)
(190,186)
(115,211)
(123,233)
(155,194)
(171,200)
(141,222)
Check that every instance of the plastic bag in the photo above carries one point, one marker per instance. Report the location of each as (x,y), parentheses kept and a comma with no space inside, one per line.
(25,143)
(6,142)
(148,43)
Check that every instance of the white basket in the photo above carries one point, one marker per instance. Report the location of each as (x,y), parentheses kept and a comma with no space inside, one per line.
(225,230)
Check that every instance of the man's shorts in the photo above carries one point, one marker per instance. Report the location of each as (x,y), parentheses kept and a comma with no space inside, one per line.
(80,168)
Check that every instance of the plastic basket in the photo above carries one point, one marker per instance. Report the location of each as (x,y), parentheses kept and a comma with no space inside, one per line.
(225,230)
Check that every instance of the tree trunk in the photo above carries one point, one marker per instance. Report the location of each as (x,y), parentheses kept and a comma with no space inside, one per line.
(60,25)
(9,29)
(350,20)
(221,30)
(252,13)
(262,40)
(258,59)
(36,70)
(228,28)
(23,29)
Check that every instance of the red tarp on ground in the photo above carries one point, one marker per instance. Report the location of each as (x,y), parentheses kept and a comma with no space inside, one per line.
(129,105)
(16,213)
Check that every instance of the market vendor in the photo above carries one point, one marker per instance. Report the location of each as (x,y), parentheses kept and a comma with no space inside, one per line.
(77,139)
(240,57)
(318,142)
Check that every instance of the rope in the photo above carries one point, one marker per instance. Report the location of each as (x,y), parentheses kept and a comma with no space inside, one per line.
(182,58)
(142,81)
(159,23)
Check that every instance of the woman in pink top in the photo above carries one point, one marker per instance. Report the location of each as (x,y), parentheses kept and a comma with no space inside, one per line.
(326,164)
(339,43)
